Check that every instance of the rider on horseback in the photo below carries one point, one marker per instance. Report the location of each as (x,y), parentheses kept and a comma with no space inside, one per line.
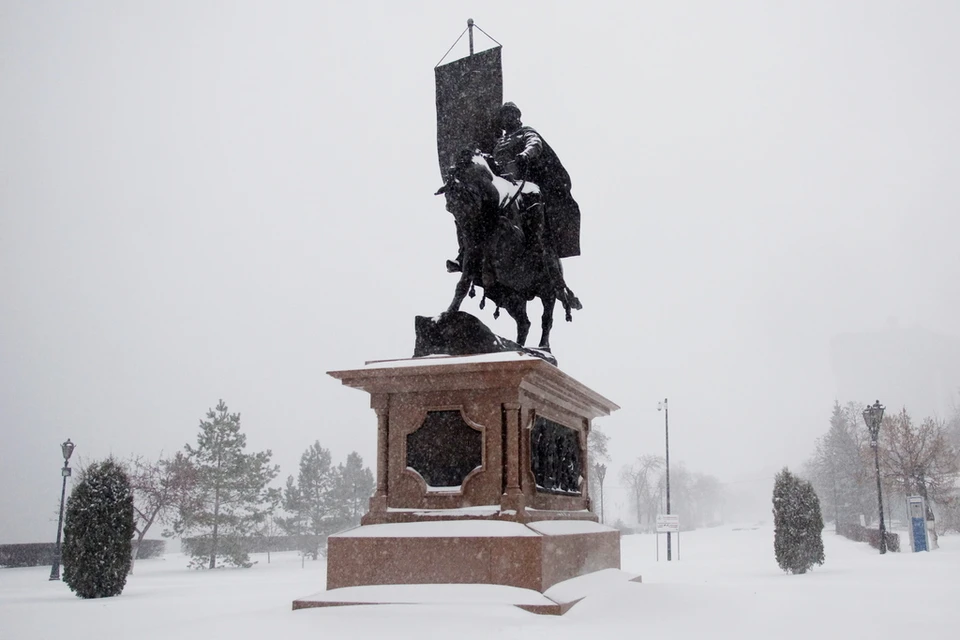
(522,154)
(511,229)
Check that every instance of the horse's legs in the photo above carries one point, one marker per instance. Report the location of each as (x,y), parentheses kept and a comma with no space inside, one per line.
(516,306)
(467,269)
(463,285)
(546,322)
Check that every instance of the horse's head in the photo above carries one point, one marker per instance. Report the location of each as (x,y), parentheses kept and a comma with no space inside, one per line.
(468,188)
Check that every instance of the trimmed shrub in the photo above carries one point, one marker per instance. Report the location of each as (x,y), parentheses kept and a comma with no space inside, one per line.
(798,524)
(98,532)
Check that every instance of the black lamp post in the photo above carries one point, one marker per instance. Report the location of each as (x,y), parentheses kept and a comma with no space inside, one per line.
(666,428)
(67,449)
(873,416)
(601,471)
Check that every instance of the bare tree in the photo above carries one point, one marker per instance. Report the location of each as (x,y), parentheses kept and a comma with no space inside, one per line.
(270,530)
(707,498)
(159,489)
(597,453)
(953,427)
(950,504)
(919,459)
(639,479)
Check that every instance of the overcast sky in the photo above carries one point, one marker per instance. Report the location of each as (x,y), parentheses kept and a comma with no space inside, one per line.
(206,200)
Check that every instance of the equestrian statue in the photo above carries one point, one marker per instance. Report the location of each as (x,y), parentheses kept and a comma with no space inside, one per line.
(515,220)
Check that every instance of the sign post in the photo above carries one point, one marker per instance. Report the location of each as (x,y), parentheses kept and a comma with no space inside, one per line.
(669,523)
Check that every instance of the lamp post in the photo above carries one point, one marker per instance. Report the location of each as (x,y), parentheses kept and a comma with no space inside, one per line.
(601,471)
(666,427)
(873,416)
(67,449)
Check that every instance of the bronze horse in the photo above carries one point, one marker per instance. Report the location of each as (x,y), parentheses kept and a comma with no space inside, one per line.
(500,225)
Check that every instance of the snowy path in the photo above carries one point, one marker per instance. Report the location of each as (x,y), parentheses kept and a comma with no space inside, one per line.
(726,585)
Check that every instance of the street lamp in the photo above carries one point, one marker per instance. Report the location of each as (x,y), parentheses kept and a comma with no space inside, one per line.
(873,416)
(67,449)
(601,471)
(662,406)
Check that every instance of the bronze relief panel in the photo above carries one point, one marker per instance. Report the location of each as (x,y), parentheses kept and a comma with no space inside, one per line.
(445,449)
(556,458)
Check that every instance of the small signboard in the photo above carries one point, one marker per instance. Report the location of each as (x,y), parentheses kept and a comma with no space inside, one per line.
(917,511)
(668,524)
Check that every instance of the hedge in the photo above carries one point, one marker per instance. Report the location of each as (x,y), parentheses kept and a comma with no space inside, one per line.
(37,554)
(862,534)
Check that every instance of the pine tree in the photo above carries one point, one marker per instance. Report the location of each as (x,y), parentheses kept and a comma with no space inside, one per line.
(838,468)
(353,485)
(230,498)
(98,532)
(798,524)
(295,523)
(315,485)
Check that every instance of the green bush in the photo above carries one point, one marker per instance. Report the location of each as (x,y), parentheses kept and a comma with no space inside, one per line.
(798,524)
(98,532)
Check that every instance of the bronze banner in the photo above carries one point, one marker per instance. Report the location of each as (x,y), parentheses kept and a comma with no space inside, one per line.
(469,94)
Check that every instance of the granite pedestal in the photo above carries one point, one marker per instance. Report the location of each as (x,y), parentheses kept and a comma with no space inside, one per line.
(482,476)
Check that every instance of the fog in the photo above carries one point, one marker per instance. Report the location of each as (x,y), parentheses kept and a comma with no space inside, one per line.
(205,200)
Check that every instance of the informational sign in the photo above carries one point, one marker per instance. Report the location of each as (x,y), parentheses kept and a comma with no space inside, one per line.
(917,513)
(668,524)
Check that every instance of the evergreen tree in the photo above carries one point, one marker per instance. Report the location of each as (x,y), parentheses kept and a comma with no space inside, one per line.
(295,524)
(317,505)
(230,496)
(839,468)
(98,532)
(353,485)
(798,524)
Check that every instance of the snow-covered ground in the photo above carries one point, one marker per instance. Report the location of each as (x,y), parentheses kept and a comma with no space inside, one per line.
(726,584)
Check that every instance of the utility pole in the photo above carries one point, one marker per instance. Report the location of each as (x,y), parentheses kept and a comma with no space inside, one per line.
(666,427)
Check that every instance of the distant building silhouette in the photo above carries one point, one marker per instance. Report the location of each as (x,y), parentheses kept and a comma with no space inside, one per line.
(902,367)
